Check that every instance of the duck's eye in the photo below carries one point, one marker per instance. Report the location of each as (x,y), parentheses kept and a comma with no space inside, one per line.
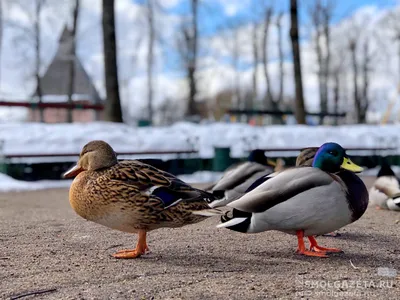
(333,152)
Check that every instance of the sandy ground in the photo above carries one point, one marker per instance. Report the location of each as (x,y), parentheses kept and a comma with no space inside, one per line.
(45,245)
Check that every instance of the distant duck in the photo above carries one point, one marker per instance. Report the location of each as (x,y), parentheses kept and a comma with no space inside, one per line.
(238,177)
(385,192)
(304,201)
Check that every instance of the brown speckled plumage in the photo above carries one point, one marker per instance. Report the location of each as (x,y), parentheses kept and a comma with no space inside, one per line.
(131,196)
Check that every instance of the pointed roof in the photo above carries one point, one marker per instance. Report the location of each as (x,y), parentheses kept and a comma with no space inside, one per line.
(55,80)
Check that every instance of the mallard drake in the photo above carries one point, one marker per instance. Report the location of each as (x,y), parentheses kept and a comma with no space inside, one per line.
(131,196)
(304,201)
(234,184)
(238,177)
(385,192)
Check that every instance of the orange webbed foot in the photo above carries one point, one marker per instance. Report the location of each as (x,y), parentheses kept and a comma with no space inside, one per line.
(302,248)
(128,254)
(140,249)
(315,247)
(311,253)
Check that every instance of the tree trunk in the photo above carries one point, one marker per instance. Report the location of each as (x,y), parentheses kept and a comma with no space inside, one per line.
(255,66)
(269,103)
(113,111)
(294,36)
(327,13)
(235,59)
(336,90)
(281,58)
(356,96)
(38,62)
(191,37)
(365,70)
(150,58)
(316,14)
(72,58)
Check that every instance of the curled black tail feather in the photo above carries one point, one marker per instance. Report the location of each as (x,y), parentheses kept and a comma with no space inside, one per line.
(194,195)
(240,227)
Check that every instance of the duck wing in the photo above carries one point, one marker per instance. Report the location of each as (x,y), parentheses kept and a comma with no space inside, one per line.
(282,186)
(134,177)
(239,175)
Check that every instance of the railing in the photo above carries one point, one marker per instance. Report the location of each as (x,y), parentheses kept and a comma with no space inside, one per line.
(52,105)
(347,149)
(155,152)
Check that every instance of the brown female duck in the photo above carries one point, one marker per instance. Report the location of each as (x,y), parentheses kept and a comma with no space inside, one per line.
(131,196)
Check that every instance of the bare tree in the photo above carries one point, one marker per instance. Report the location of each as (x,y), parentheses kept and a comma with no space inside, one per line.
(29,35)
(281,57)
(353,51)
(113,111)
(321,15)
(72,60)
(38,61)
(254,40)
(327,12)
(361,58)
(267,21)
(367,57)
(235,62)
(392,21)
(150,57)
(188,47)
(336,71)
(294,35)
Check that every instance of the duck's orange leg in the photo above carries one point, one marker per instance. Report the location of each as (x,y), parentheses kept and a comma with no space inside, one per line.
(141,248)
(314,247)
(302,248)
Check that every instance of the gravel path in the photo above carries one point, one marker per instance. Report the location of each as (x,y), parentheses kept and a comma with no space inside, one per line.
(45,245)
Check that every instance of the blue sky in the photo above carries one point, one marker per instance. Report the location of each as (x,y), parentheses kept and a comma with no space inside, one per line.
(214,14)
(217,14)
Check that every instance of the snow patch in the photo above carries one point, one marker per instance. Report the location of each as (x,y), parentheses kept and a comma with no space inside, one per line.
(9,184)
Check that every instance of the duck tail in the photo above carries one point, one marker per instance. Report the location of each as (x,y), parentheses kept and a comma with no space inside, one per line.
(220,199)
(394,202)
(208,212)
(236,220)
(210,198)
(200,196)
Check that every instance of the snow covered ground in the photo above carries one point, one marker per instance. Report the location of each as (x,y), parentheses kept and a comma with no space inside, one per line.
(36,138)
(9,184)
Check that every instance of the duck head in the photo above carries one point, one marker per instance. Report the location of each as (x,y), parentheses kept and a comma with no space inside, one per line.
(385,170)
(331,157)
(258,156)
(95,155)
(306,156)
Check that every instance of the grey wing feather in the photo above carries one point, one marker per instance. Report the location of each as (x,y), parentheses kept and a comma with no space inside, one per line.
(239,175)
(282,187)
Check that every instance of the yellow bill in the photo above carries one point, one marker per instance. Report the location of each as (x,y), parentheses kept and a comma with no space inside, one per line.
(271,163)
(349,165)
